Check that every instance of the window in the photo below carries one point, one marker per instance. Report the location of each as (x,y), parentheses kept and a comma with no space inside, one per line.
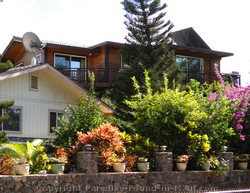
(14,121)
(71,65)
(71,62)
(193,67)
(36,59)
(54,120)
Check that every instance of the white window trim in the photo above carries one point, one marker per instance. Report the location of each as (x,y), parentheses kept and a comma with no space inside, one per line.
(20,121)
(53,111)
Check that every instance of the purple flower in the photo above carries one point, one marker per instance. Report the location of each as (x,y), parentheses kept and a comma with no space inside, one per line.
(212,96)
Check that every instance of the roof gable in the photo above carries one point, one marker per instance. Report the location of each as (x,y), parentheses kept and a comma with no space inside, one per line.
(189,38)
(66,82)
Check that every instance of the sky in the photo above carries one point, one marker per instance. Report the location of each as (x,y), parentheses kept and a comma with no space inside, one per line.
(222,24)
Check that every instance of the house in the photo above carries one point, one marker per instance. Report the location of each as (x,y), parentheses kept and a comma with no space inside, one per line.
(189,46)
(44,82)
(105,61)
(41,94)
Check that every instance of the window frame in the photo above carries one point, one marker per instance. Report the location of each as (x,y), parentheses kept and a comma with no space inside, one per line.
(71,56)
(49,119)
(20,120)
(188,71)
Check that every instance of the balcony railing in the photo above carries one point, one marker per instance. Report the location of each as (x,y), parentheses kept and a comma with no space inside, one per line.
(209,78)
(104,77)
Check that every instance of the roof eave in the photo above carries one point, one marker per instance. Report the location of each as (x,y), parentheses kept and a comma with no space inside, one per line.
(204,51)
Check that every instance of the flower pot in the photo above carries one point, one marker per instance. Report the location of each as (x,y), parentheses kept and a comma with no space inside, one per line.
(242,165)
(22,169)
(57,168)
(205,166)
(119,167)
(181,166)
(143,167)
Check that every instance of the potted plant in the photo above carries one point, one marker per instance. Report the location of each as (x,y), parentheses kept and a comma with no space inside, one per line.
(242,161)
(181,162)
(223,167)
(21,154)
(207,162)
(117,161)
(143,164)
(57,161)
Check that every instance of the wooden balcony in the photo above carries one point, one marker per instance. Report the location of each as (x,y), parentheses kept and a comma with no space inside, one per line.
(104,78)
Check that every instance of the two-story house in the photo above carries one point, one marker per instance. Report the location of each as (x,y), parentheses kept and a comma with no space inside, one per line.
(44,83)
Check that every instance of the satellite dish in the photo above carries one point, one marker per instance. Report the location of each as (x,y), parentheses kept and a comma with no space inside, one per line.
(31,42)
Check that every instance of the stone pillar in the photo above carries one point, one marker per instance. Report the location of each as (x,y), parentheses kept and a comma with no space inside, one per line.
(87,161)
(164,161)
(227,156)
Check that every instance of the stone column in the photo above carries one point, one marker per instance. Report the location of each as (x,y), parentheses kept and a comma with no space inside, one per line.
(164,161)
(87,161)
(227,156)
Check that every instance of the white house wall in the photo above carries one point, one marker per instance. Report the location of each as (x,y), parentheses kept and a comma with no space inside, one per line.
(35,105)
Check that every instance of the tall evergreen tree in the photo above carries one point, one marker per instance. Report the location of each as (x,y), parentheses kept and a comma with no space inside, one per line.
(147,47)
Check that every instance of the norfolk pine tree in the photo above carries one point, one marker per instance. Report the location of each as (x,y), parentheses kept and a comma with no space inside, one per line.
(147,47)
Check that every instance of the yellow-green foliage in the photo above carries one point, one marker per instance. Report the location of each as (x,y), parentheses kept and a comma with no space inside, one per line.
(166,117)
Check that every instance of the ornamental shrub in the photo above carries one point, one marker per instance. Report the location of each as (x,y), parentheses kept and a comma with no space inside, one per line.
(107,141)
(165,117)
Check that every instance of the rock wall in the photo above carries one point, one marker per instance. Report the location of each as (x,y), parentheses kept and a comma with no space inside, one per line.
(128,182)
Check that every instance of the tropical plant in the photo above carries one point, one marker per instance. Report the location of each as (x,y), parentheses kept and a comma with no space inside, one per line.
(165,117)
(82,118)
(59,156)
(219,110)
(39,160)
(6,165)
(241,158)
(107,141)
(212,160)
(222,168)
(20,153)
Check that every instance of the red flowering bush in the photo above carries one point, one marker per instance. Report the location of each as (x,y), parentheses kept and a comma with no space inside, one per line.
(107,141)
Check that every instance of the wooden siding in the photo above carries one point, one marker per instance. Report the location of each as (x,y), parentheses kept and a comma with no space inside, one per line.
(114,58)
(50,52)
(99,60)
(51,95)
